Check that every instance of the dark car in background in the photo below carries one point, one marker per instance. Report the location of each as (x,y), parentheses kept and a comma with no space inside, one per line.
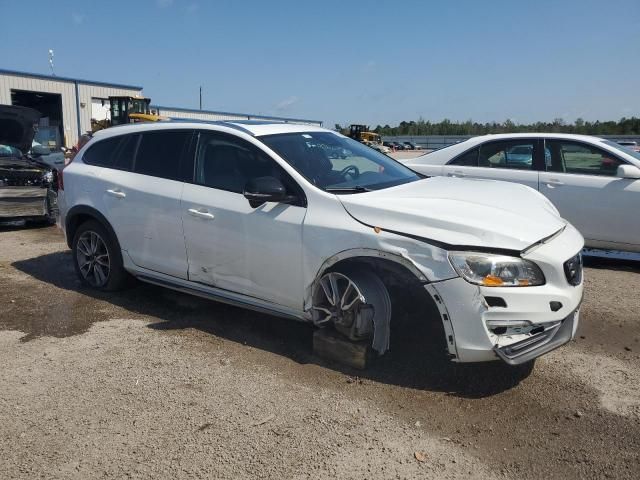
(27,186)
(410,146)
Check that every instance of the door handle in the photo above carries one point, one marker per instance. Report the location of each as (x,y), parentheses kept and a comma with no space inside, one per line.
(201,213)
(552,182)
(117,193)
(457,173)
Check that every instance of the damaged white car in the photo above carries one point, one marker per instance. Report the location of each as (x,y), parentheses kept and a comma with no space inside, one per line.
(263,216)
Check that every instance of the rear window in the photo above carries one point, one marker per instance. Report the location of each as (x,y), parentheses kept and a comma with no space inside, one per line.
(159,153)
(102,153)
(116,152)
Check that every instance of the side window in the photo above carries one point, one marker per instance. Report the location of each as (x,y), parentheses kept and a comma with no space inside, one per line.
(516,154)
(159,153)
(579,158)
(228,163)
(468,159)
(123,155)
(102,152)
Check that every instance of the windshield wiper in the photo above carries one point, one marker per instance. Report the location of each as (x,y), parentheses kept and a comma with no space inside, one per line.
(356,189)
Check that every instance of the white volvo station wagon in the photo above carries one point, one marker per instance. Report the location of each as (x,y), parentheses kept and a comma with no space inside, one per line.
(302,222)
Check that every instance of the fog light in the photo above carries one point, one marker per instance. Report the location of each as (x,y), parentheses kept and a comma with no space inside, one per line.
(508,323)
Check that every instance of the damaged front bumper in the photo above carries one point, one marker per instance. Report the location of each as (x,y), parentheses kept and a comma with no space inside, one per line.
(540,343)
(514,324)
(20,202)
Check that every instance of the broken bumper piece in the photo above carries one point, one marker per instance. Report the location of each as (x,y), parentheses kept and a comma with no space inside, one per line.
(538,344)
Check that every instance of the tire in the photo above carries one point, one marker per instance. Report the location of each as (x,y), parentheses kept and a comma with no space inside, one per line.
(97,258)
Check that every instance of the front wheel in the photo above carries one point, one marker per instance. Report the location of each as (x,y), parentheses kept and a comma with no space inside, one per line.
(97,259)
(356,303)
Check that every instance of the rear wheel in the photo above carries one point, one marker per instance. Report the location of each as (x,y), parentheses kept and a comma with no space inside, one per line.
(97,258)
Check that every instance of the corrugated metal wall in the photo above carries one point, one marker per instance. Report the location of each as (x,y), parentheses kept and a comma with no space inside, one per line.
(197,115)
(66,88)
(213,115)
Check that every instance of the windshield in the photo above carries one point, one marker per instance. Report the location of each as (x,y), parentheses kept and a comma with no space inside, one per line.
(622,148)
(338,164)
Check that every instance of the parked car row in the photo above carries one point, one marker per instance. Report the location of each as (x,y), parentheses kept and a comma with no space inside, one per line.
(401,146)
(308,224)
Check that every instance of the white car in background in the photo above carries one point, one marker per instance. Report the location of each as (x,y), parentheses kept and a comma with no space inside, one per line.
(267,216)
(593,182)
(379,147)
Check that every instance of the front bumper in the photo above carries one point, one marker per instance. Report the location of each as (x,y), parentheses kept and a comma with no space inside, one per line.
(526,322)
(551,338)
(17,202)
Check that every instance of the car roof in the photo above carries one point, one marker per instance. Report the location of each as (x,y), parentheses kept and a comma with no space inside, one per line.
(442,156)
(253,128)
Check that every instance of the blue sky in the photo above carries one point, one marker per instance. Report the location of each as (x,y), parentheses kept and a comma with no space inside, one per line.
(346,62)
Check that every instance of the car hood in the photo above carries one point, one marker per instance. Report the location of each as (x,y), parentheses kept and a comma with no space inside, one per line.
(16,126)
(459,212)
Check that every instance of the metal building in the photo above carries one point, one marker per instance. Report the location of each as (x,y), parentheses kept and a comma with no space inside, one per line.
(174,112)
(65,103)
(68,104)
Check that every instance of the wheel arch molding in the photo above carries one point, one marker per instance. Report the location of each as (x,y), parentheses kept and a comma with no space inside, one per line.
(79,214)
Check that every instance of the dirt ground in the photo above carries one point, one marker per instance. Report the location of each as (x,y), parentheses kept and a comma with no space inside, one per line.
(150,383)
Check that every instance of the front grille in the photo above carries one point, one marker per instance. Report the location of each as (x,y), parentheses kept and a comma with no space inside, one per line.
(573,270)
(20,178)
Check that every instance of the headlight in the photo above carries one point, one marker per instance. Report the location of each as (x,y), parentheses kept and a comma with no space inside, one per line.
(47,177)
(496,270)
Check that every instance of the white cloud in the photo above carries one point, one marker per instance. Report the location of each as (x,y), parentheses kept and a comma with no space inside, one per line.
(287,103)
(78,18)
(164,3)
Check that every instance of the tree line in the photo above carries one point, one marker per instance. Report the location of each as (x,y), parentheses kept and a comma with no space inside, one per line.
(625,126)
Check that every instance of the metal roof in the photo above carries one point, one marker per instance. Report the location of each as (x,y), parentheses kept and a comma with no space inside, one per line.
(213,112)
(67,79)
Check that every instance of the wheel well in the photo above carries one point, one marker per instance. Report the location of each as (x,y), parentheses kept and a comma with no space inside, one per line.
(416,322)
(407,292)
(81,214)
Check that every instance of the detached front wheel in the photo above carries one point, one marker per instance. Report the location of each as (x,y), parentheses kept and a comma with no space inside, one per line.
(356,303)
(97,259)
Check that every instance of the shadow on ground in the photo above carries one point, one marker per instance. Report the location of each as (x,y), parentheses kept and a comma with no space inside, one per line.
(627,265)
(416,359)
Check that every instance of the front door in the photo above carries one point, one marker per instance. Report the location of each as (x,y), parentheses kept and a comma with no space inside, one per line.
(230,245)
(581,182)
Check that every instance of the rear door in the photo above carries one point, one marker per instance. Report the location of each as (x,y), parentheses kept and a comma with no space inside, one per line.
(142,199)
(509,160)
(581,182)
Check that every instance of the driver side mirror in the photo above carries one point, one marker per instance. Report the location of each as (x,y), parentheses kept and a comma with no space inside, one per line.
(628,171)
(261,190)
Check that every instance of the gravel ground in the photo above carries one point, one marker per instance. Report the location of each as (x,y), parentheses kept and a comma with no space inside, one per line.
(150,383)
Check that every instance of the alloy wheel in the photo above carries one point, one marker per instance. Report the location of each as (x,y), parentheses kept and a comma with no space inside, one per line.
(93,259)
